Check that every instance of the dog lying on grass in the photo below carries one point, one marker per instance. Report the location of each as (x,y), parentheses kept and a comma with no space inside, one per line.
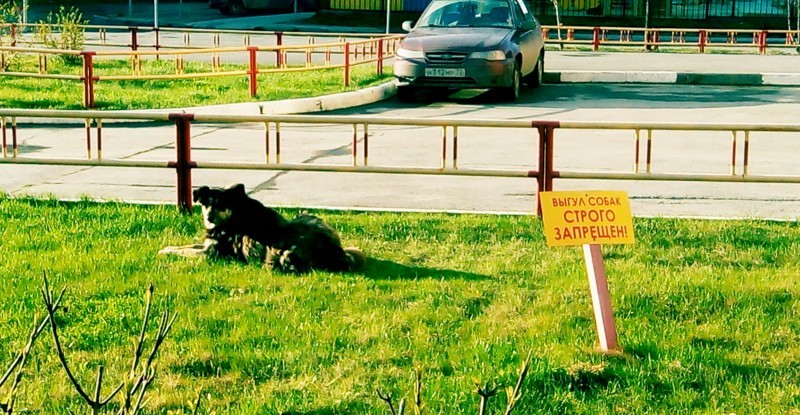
(242,228)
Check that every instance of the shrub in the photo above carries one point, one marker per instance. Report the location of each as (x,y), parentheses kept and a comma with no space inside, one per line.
(71,35)
(10,14)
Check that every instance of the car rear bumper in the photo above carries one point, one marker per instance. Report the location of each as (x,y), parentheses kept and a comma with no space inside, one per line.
(478,73)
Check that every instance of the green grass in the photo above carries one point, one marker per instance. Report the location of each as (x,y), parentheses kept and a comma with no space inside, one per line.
(708,313)
(34,93)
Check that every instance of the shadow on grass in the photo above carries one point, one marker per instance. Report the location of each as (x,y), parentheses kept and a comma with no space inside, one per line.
(390,270)
(347,407)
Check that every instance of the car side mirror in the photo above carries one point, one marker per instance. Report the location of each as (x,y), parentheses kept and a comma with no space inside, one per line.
(528,25)
(408,25)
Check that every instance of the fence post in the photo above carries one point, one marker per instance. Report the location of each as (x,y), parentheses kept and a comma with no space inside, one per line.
(762,44)
(701,42)
(596,39)
(253,71)
(279,51)
(380,57)
(346,64)
(88,79)
(545,174)
(184,164)
(134,38)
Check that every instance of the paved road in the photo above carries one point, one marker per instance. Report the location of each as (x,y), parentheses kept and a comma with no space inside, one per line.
(407,146)
(479,148)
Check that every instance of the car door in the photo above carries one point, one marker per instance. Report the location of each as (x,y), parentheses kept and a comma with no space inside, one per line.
(529,34)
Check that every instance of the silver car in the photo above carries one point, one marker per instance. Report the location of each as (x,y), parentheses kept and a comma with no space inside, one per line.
(463,44)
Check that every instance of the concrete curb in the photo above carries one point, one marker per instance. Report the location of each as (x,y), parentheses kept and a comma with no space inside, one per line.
(301,105)
(669,77)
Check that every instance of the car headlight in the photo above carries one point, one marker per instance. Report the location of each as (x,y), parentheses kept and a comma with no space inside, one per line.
(410,54)
(490,55)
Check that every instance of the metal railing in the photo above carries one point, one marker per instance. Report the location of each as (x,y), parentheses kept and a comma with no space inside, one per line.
(338,55)
(671,38)
(543,132)
(157,38)
(143,37)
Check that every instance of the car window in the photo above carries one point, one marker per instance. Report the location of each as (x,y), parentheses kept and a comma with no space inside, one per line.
(467,13)
(523,12)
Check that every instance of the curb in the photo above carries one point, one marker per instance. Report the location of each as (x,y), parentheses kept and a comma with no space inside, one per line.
(668,77)
(301,105)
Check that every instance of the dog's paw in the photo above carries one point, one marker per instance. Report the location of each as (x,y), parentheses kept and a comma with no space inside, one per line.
(167,250)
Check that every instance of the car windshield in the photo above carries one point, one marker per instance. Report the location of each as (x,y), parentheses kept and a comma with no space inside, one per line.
(466,13)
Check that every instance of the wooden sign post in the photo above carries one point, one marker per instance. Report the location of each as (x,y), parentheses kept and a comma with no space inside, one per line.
(590,218)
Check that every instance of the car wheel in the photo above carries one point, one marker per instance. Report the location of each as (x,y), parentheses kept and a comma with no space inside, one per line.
(536,77)
(236,7)
(511,93)
(405,93)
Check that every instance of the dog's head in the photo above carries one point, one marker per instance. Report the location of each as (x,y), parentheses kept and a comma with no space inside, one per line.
(217,204)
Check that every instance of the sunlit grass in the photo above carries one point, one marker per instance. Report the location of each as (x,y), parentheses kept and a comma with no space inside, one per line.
(708,314)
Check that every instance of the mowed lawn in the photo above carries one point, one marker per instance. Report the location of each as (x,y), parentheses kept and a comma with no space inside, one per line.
(707,311)
(38,93)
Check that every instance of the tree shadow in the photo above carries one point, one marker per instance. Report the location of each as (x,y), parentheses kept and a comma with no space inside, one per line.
(381,269)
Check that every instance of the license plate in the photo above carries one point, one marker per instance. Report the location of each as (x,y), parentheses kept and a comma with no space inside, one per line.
(446,72)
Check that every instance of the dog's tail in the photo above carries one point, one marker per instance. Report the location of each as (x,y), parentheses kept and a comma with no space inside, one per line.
(355,258)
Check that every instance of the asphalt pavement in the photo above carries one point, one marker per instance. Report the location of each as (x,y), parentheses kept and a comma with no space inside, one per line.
(745,67)
(562,66)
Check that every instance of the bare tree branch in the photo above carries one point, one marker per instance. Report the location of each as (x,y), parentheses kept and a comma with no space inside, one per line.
(418,393)
(388,399)
(197,402)
(485,393)
(95,404)
(516,394)
(138,382)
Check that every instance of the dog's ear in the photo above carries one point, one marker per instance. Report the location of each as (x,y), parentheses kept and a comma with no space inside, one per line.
(200,193)
(236,190)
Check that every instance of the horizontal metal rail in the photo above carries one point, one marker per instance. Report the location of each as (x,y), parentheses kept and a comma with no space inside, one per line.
(97,35)
(544,171)
(678,177)
(656,38)
(593,36)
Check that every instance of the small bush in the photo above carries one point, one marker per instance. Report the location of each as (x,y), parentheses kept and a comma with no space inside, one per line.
(72,35)
(10,14)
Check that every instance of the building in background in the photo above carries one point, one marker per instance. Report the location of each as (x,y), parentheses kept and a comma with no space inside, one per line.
(686,13)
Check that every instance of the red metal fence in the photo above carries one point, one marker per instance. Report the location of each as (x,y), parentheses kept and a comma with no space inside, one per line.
(342,54)
(666,39)
(544,171)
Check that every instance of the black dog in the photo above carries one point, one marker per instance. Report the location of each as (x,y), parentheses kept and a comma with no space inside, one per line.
(297,245)
(219,242)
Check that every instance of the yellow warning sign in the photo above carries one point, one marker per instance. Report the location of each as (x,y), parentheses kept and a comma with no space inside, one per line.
(586,217)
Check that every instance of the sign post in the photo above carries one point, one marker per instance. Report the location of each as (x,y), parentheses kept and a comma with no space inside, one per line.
(590,218)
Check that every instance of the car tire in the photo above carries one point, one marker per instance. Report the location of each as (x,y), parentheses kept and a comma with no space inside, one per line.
(511,93)
(234,7)
(405,93)
(536,77)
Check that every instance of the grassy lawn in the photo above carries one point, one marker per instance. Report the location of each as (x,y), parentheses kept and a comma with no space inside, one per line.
(34,93)
(708,313)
